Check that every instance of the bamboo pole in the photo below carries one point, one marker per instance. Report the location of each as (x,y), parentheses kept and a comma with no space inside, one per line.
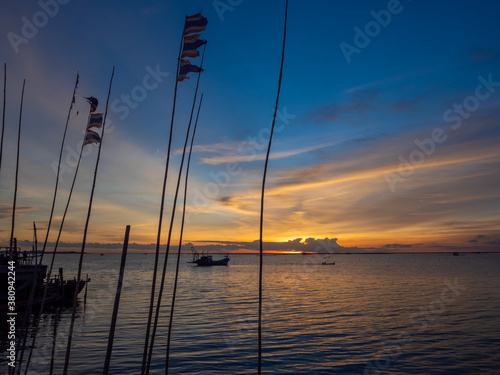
(3,111)
(13,244)
(16,180)
(49,274)
(262,198)
(117,303)
(158,236)
(180,240)
(164,272)
(80,263)
(39,263)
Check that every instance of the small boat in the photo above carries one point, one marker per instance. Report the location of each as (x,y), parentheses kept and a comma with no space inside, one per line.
(22,272)
(207,259)
(456,254)
(328,263)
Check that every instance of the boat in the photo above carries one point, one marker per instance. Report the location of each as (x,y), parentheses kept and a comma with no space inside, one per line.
(328,263)
(206,260)
(26,273)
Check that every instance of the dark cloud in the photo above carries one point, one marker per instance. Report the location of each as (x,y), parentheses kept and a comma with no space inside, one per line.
(482,56)
(479,237)
(360,100)
(311,244)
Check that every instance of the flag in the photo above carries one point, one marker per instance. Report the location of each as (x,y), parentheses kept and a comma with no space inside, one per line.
(95,121)
(195,24)
(191,43)
(195,17)
(93,103)
(91,137)
(185,68)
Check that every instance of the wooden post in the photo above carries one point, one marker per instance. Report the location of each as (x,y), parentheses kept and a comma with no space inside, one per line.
(117,303)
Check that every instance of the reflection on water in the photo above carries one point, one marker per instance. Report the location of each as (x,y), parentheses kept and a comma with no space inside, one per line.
(368,314)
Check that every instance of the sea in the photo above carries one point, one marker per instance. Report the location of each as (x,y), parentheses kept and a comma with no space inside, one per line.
(366,314)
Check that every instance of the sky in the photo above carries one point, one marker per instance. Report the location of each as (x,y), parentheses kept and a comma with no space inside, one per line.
(386,135)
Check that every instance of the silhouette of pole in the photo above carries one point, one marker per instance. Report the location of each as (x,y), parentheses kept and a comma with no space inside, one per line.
(80,263)
(117,303)
(180,240)
(262,197)
(3,111)
(158,236)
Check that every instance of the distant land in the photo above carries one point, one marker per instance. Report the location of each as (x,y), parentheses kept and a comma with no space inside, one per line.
(298,246)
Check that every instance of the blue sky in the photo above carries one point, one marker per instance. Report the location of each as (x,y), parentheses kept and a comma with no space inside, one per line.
(346,161)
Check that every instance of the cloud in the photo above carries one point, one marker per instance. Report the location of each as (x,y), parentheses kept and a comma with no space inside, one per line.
(479,237)
(6,211)
(443,198)
(310,244)
(238,158)
(217,148)
(360,100)
(482,239)
(482,56)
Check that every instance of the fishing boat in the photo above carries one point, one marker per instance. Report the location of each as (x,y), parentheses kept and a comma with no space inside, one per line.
(26,273)
(207,259)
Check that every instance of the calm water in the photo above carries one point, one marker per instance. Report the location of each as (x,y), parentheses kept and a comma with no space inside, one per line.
(368,314)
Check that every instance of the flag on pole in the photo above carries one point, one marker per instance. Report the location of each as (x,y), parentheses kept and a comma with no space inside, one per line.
(91,137)
(195,24)
(191,44)
(95,120)
(185,68)
(93,103)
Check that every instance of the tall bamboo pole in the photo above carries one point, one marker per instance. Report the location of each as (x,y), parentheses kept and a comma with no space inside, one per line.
(16,180)
(180,239)
(49,274)
(162,205)
(39,263)
(262,196)
(13,244)
(3,111)
(164,272)
(80,263)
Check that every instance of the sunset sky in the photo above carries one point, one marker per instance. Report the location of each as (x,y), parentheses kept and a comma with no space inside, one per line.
(387,135)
